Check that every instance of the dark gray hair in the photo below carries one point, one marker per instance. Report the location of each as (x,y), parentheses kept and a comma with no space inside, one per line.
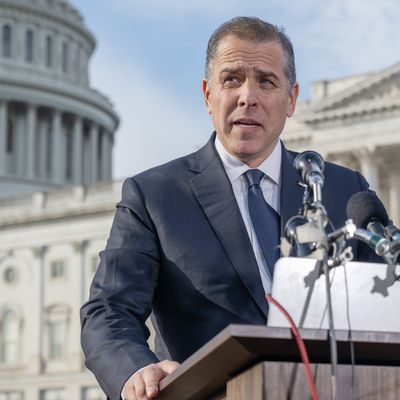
(256,30)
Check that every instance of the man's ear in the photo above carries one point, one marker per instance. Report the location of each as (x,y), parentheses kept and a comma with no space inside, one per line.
(294,93)
(207,94)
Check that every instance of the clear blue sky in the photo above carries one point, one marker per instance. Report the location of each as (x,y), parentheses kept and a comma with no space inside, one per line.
(149,60)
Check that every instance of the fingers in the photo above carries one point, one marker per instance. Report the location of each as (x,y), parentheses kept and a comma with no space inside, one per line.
(143,385)
(168,366)
(151,377)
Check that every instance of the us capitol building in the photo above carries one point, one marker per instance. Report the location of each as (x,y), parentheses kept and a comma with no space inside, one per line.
(57,199)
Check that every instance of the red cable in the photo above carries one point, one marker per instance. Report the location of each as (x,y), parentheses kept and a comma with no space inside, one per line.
(300,345)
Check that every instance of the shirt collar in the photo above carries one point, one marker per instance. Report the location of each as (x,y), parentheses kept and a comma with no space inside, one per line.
(235,168)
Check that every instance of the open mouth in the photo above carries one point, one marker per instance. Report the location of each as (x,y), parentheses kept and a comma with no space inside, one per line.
(246,122)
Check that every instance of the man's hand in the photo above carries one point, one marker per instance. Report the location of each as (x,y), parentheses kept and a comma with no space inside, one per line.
(143,384)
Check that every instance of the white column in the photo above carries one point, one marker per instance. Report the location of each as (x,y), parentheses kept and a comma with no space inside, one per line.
(19,156)
(394,195)
(31,140)
(104,155)
(42,152)
(110,155)
(35,341)
(3,136)
(77,166)
(86,158)
(76,361)
(94,156)
(369,167)
(57,148)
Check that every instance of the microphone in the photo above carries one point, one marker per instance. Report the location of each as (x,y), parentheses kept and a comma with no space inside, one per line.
(392,232)
(368,212)
(299,248)
(310,165)
(379,244)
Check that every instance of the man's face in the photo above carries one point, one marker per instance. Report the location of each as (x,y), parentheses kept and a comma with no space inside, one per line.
(248,97)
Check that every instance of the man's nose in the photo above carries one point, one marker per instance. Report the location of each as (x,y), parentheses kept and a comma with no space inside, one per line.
(248,95)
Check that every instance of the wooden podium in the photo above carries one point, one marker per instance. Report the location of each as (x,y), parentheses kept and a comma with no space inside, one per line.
(251,362)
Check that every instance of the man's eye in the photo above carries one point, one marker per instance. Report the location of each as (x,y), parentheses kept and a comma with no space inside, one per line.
(267,83)
(231,80)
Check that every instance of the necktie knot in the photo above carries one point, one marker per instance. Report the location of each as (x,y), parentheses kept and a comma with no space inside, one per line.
(253,177)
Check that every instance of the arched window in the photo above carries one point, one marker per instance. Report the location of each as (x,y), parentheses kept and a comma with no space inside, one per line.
(29,46)
(64,60)
(57,325)
(9,338)
(78,62)
(49,51)
(7,41)
(57,331)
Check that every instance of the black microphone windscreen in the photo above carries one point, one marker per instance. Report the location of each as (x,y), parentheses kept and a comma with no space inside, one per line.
(364,207)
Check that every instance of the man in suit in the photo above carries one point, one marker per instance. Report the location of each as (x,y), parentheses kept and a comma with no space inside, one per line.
(183,243)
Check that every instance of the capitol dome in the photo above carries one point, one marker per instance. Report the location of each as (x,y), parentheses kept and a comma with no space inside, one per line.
(55,130)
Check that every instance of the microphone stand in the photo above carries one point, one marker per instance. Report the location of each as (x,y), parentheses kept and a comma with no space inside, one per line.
(316,214)
(306,233)
(332,334)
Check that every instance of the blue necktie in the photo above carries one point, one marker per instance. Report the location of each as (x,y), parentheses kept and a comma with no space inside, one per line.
(265,219)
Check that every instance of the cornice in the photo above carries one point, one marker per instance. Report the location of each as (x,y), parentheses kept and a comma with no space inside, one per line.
(74,92)
(375,109)
(58,205)
(340,99)
(54,217)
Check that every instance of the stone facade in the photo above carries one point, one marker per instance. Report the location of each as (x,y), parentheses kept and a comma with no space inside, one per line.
(355,121)
(49,246)
(55,130)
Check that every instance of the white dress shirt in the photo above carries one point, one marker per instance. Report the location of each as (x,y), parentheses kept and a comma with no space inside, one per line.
(270,185)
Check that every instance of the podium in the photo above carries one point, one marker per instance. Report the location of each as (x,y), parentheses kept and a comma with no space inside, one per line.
(252,362)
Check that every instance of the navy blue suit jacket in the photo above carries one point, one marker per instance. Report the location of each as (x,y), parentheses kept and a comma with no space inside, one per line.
(178,246)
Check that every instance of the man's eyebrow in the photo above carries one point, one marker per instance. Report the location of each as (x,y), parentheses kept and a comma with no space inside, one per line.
(228,70)
(259,72)
(264,73)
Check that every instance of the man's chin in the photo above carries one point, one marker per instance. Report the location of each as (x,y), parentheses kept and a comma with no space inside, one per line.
(251,154)
(245,154)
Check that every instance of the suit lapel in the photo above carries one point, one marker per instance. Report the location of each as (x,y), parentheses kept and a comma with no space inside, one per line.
(215,195)
(214,192)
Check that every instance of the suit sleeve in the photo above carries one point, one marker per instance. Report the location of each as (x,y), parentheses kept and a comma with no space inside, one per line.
(114,335)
